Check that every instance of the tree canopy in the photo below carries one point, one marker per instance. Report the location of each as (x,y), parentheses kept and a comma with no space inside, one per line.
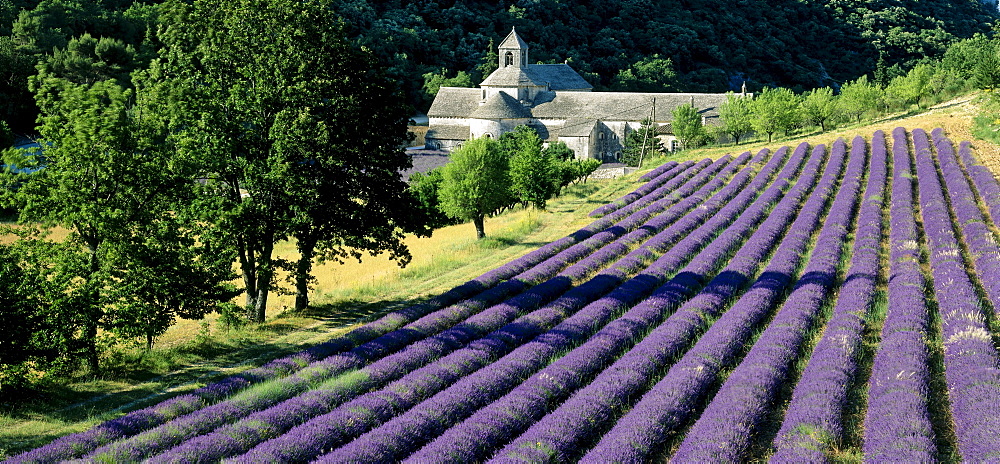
(476,182)
(299,133)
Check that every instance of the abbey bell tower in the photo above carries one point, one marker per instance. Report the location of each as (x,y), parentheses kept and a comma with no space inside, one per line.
(513,51)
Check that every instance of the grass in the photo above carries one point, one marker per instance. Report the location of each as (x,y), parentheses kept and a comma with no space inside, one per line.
(194,353)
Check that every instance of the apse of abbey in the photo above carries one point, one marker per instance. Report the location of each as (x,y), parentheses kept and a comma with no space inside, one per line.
(558,103)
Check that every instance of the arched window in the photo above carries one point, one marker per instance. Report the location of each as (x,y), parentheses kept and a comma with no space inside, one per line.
(508,59)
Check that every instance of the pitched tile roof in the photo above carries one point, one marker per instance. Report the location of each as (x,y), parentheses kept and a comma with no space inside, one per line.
(555,76)
(623,106)
(455,102)
(448,132)
(513,41)
(501,106)
(577,128)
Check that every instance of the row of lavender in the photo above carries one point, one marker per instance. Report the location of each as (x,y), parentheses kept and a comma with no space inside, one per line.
(665,329)
(381,335)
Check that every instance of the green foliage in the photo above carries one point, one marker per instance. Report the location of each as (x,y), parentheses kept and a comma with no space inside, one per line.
(737,116)
(819,107)
(297,130)
(641,143)
(433,81)
(424,188)
(651,74)
(17,105)
(775,110)
(489,63)
(6,135)
(476,182)
(910,89)
(797,44)
(687,126)
(532,170)
(115,190)
(86,60)
(859,98)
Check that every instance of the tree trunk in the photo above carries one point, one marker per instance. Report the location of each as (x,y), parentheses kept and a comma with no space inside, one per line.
(94,310)
(480,229)
(303,270)
(90,338)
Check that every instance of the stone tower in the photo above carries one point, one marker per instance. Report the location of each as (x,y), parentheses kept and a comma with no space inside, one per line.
(513,51)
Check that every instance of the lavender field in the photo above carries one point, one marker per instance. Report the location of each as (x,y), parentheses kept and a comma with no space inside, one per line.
(801,304)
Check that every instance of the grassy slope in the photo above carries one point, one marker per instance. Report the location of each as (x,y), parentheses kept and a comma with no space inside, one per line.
(349,293)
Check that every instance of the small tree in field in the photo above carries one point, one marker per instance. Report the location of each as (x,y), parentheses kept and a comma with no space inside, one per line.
(687,126)
(639,143)
(775,110)
(737,116)
(860,97)
(476,182)
(531,169)
(819,107)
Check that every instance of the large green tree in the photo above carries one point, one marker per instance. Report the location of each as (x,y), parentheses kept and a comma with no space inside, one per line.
(115,190)
(476,182)
(299,134)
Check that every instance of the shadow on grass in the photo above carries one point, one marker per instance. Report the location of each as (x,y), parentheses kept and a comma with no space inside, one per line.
(211,358)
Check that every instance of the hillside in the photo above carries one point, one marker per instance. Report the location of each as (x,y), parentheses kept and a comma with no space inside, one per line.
(635,45)
(723,287)
(713,45)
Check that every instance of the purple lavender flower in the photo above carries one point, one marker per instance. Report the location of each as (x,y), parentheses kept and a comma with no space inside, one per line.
(897,424)
(813,422)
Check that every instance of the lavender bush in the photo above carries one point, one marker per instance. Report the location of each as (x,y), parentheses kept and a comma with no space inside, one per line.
(813,422)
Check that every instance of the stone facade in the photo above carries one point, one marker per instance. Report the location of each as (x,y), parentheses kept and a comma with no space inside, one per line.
(558,103)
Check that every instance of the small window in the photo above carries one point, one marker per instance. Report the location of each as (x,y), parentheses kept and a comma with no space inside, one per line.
(508,59)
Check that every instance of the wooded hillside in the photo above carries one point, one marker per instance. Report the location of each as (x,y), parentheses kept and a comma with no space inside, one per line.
(647,45)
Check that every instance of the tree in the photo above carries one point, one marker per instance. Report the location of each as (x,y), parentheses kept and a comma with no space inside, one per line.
(564,165)
(87,59)
(17,104)
(41,334)
(532,174)
(860,97)
(687,126)
(640,143)
(737,116)
(489,63)
(476,182)
(910,89)
(6,135)
(113,188)
(819,107)
(298,132)
(775,110)
(433,81)
(651,74)
(425,188)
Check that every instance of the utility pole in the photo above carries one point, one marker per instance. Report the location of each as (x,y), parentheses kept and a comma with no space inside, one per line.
(652,116)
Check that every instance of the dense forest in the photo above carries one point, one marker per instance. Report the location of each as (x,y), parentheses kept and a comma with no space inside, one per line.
(665,45)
